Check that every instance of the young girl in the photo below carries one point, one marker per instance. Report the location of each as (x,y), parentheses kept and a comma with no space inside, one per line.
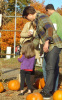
(27,63)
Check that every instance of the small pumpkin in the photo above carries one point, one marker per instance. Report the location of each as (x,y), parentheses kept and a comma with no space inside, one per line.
(57,95)
(40,83)
(1,87)
(14,85)
(34,96)
(60,86)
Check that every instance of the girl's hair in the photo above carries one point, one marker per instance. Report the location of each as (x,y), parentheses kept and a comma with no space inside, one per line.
(28,49)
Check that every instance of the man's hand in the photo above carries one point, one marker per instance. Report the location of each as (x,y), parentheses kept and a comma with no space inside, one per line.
(46,46)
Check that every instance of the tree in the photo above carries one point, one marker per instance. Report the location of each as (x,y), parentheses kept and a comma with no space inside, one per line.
(20,5)
(38,6)
(59,10)
(7,8)
(8,37)
(2,6)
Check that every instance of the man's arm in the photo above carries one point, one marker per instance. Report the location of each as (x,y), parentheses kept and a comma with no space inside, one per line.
(45,28)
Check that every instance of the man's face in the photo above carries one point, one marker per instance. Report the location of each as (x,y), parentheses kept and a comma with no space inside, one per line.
(48,12)
(30,17)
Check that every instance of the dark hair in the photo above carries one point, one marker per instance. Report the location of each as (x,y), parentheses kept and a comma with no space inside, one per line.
(28,49)
(49,6)
(28,10)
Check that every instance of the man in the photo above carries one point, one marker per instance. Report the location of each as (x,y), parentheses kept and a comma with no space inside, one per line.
(56,19)
(46,32)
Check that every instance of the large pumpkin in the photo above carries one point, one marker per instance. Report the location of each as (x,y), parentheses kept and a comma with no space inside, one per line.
(34,96)
(14,85)
(1,87)
(57,95)
(40,83)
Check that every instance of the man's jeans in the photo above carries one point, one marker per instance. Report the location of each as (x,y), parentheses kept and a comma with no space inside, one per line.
(56,75)
(52,60)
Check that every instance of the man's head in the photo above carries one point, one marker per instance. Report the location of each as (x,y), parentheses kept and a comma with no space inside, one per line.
(29,13)
(49,9)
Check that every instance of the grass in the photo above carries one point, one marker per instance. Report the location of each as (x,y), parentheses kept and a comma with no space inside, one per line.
(10,63)
(13,63)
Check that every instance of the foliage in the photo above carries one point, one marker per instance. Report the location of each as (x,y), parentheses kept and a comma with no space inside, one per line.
(59,10)
(8,37)
(7,8)
(39,6)
(20,5)
(2,6)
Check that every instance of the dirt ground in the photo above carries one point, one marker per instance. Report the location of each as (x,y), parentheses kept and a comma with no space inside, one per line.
(11,71)
(13,95)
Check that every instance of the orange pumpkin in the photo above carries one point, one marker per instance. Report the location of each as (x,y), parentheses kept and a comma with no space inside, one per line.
(40,83)
(57,95)
(14,85)
(34,96)
(60,86)
(1,87)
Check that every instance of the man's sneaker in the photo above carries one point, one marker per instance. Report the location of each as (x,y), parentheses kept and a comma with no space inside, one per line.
(46,95)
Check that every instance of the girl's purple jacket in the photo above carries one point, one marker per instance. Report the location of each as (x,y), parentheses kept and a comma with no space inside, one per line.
(26,63)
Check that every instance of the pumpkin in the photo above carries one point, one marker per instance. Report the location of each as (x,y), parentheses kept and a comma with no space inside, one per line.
(34,96)
(60,86)
(57,95)
(40,83)
(14,85)
(1,87)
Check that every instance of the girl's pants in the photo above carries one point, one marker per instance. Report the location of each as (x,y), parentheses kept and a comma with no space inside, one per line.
(25,74)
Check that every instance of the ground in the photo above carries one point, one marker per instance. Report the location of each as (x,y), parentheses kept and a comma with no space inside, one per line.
(10,70)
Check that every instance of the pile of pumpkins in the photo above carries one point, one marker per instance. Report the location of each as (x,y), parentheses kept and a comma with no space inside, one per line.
(39,83)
